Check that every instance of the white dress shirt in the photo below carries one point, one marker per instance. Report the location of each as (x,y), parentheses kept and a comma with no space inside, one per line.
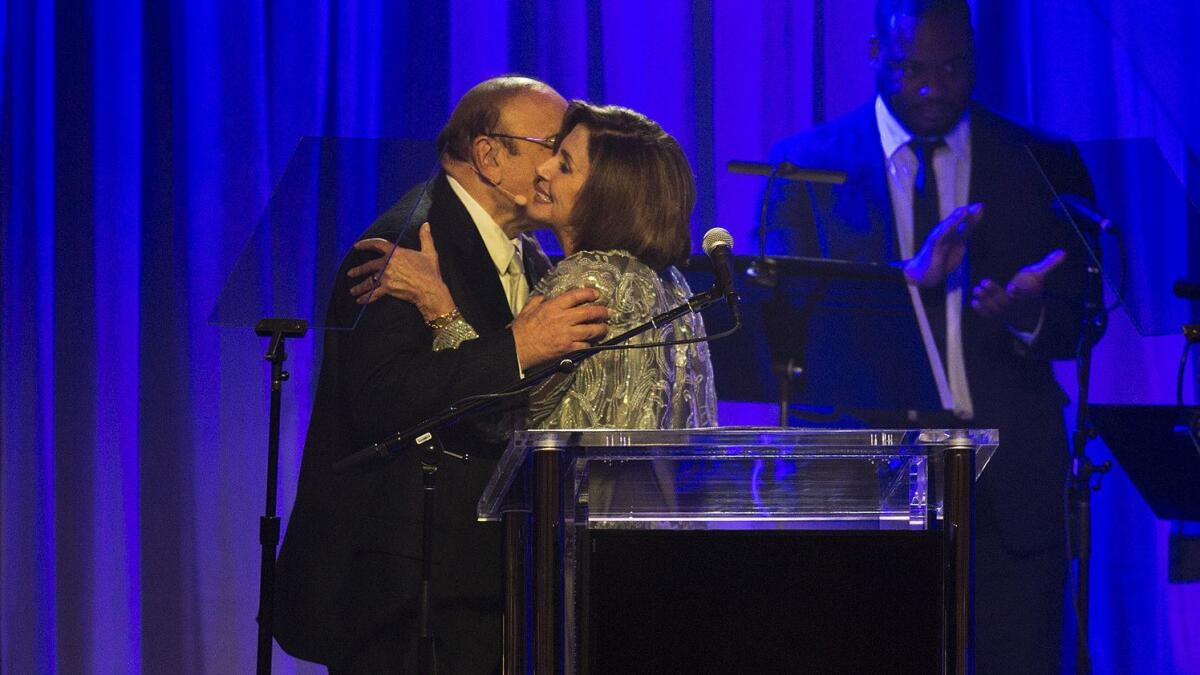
(952,167)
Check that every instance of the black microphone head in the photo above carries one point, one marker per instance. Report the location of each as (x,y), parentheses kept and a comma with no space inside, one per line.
(1187,289)
(717,236)
(1087,210)
(718,245)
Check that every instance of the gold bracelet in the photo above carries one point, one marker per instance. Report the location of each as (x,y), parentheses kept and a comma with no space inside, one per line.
(441,322)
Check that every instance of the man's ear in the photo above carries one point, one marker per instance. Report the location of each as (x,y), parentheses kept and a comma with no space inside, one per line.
(485,156)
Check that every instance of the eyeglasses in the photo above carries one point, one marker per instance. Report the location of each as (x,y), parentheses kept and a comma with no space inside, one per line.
(915,70)
(548,142)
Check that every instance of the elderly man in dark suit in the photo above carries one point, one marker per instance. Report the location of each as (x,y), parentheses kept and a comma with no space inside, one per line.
(349,567)
(998,281)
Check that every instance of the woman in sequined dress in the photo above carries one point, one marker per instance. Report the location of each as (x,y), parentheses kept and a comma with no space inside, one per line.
(618,195)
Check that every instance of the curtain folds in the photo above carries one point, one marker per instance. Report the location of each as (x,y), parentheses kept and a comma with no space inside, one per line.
(139,142)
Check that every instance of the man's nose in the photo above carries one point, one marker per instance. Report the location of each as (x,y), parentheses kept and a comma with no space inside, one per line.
(932,88)
(933,84)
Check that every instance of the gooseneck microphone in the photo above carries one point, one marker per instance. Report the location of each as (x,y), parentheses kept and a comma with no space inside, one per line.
(1081,207)
(1187,289)
(718,246)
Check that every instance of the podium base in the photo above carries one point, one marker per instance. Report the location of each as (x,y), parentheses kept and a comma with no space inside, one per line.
(754,601)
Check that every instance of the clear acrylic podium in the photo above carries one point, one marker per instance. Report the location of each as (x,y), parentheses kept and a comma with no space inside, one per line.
(554,489)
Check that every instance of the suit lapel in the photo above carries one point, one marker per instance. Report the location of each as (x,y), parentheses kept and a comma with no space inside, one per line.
(981,179)
(878,198)
(861,226)
(466,266)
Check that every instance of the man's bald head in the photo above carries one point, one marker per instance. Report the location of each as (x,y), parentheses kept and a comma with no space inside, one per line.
(479,111)
(498,134)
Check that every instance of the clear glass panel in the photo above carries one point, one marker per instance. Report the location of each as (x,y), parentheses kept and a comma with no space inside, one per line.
(742,478)
(330,192)
(817,492)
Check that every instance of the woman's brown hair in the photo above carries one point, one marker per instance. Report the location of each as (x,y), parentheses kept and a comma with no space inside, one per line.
(639,192)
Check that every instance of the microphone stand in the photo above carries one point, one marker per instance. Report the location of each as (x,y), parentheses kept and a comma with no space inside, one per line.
(762,270)
(268,525)
(431,451)
(425,436)
(1080,485)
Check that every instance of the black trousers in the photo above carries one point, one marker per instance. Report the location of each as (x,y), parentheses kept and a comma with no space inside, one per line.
(1019,603)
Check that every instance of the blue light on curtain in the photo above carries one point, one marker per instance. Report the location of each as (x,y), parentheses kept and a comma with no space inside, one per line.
(28,554)
(116,616)
(139,142)
(1105,69)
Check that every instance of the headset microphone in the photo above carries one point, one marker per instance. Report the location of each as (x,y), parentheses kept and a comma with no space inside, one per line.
(517,199)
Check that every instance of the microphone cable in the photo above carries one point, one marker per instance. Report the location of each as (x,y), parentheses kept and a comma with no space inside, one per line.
(587,353)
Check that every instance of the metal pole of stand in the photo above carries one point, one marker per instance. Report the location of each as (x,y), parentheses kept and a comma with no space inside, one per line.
(547,561)
(1080,484)
(268,525)
(517,574)
(959,556)
(431,452)
(787,375)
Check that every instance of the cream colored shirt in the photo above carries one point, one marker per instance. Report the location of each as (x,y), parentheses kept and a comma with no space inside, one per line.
(500,248)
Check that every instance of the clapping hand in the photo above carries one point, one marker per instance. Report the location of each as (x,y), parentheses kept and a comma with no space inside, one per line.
(944,248)
(1019,303)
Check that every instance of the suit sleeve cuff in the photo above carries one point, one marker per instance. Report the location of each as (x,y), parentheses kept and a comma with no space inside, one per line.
(1028,338)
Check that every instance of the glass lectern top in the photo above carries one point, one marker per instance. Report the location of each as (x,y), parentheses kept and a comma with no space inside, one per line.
(836,478)
(330,193)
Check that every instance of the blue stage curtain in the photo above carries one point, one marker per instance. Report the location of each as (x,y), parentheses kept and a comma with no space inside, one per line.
(139,142)
(1098,70)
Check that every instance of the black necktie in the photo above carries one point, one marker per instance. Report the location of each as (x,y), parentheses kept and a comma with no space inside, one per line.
(926,216)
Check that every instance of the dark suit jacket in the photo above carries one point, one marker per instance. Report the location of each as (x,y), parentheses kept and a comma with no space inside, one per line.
(1012,386)
(349,568)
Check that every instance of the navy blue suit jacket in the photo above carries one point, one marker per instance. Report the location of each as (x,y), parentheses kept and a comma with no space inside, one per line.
(1012,385)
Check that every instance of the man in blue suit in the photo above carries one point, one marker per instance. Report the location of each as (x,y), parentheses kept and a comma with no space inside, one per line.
(963,198)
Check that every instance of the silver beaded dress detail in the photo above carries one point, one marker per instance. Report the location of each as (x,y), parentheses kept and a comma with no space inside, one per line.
(654,388)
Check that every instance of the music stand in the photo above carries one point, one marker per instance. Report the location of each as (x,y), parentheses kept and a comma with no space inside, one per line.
(1158,447)
(830,338)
